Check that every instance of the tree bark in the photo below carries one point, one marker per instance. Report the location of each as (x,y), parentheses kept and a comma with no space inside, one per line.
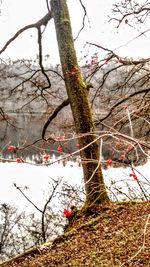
(79,102)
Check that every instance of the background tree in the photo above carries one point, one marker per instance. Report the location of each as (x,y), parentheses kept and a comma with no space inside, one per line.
(20,231)
(10,239)
(42,231)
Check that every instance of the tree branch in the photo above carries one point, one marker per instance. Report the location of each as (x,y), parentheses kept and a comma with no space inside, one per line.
(124,61)
(54,114)
(83,20)
(146,90)
(37,25)
(47,4)
(17,187)
(41,57)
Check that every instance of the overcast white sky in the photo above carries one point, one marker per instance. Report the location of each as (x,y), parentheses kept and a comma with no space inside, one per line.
(15,14)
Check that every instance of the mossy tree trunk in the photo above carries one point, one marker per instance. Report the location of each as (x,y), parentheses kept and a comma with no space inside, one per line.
(78,98)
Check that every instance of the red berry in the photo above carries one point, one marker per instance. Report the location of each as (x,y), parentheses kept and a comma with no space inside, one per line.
(122,157)
(67,213)
(46,157)
(10,148)
(92,61)
(126,21)
(19,160)
(133,175)
(109,162)
(59,149)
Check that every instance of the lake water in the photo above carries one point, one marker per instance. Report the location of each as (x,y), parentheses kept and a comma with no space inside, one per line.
(38,180)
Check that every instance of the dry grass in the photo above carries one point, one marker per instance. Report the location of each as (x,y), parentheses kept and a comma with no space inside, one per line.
(110,235)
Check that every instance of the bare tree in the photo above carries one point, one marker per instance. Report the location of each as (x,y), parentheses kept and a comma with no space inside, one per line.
(43,232)
(9,242)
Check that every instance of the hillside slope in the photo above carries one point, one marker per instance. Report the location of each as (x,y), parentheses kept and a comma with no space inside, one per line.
(112,235)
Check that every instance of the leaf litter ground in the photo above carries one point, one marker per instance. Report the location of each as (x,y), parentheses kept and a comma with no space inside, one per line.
(110,235)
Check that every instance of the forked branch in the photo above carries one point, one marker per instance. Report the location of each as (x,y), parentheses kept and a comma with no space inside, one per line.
(37,25)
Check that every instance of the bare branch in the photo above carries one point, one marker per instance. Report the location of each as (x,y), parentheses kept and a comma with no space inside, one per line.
(54,114)
(146,90)
(83,20)
(6,118)
(17,187)
(47,4)
(124,61)
(44,210)
(37,25)
(41,57)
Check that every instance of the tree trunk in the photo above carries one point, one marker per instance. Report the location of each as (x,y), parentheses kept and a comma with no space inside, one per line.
(78,99)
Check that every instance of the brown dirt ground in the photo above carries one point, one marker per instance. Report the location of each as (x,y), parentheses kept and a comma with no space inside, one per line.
(110,235)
